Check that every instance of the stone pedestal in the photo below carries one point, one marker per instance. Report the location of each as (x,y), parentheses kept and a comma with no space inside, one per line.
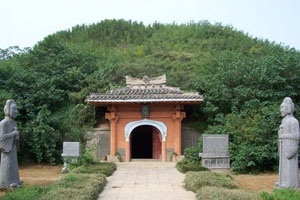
(215,161)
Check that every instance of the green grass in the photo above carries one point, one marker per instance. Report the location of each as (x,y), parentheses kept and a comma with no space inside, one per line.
(26,193)
(282,194)
(82,183)
(219,193)
(185,166)
(195,180)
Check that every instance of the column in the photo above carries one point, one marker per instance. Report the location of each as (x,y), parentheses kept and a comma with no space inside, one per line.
(178,136)
(113,118)
(177,118)
(127,153)
(163,151)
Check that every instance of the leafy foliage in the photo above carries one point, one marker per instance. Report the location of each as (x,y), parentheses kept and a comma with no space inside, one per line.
(253,135)
(243,80)
(192,153)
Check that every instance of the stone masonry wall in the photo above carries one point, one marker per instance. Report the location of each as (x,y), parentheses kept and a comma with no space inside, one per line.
(99,141)
(189,137)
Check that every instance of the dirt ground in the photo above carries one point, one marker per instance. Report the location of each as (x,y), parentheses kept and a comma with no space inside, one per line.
(41,174)
(260,182)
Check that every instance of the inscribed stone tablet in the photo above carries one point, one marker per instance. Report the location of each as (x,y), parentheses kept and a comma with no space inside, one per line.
(215,143)
(71,149)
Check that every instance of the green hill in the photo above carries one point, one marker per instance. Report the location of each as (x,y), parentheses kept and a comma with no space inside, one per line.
(243,80)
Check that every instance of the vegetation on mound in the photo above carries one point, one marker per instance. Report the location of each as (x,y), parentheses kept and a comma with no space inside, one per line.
(185,166)
(195,180)
(219,193)
(82,184)
(243,80)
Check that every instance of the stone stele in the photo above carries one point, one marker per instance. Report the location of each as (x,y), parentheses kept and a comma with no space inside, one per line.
(215,151)
(9,138)
(288,144)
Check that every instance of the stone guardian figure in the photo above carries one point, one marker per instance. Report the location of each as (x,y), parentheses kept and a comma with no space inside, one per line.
(9,138)
(288,142)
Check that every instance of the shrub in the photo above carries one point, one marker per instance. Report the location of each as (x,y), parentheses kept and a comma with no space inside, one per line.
(100,168)
(192,153)
(282,194)
(86,158)
(42,139)
(77,187)
(195,180)
(213,193)
(187,165)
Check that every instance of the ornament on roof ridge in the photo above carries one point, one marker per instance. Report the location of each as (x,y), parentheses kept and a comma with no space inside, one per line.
(146,79)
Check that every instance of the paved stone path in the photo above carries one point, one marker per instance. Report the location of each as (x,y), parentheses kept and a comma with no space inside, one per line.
(146,181)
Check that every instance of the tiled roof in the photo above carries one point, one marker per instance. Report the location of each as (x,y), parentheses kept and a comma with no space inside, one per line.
(154,90)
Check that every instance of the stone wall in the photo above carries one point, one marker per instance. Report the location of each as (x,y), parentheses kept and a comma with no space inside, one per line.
(99,141)
(189,137)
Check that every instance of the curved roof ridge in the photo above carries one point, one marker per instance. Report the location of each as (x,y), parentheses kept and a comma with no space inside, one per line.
(159,80)
(148,91)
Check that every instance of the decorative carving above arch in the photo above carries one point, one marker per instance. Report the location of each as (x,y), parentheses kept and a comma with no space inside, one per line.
(157,124)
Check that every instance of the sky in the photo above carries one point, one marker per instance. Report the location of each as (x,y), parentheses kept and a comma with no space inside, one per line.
(25,22)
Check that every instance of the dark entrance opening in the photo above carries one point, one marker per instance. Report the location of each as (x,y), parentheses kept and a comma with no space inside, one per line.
(141,142)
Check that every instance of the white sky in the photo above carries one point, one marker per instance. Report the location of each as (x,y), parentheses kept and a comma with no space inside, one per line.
(25,22)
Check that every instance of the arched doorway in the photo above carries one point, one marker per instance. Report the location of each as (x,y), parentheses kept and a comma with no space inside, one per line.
(145,143)
(159,134)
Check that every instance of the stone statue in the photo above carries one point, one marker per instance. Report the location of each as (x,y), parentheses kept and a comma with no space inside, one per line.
(9,138)
(288,142)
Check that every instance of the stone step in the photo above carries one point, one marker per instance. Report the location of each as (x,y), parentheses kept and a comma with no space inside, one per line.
(145,160)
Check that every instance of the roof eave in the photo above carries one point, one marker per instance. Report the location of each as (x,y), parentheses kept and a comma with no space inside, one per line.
(130,101)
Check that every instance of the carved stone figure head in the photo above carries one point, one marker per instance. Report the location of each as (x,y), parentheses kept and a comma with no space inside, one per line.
(287,107)
(10,109)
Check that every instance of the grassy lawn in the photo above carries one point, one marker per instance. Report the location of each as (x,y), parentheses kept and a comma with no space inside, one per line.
(82,183)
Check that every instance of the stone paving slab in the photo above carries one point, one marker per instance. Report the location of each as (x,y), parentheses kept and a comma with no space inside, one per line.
(146,181)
